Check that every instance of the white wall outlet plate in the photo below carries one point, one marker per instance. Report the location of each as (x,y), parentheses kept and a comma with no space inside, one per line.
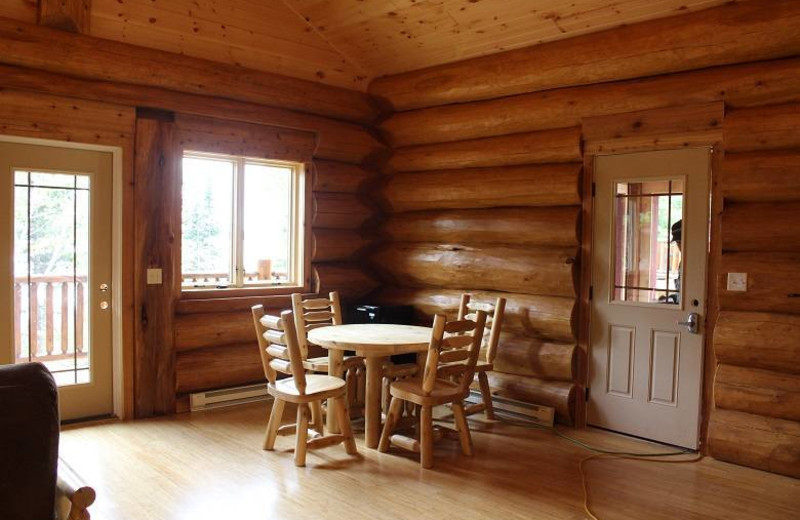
(154,277)
(737,282)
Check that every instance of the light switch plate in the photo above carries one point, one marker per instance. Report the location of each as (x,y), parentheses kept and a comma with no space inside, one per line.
(154,277)
(737,282)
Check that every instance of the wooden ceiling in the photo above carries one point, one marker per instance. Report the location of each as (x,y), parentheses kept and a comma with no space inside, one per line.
(349,42)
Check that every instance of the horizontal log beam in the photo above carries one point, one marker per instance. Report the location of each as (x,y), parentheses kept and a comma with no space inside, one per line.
(547,146)
(67,15)
(761,176)
(758,340)
(761,392)
(533,357)
(768,226)
(195,331)
(350,280)
(219,367)
(764,128)
(51,50)
(773,282)
(337,140)
(737,85)
(547,226)
(758,442)
(537,185)
(547,317)
(334,245)
(339,177)
(556,394)
(733,33)
(339,211)
(541,271)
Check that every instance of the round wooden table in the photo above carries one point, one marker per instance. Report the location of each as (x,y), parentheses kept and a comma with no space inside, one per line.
(375,342)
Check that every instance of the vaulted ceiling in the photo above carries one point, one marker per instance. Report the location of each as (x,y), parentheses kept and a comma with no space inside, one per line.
(349,42)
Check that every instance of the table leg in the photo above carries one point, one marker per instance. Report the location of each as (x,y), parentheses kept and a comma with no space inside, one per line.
(335,368)
(372,407)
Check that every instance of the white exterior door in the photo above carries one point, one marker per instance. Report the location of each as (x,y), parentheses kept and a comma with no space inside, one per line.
(55,269)
(651,236)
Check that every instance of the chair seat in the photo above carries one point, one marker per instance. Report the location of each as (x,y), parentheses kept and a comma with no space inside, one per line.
(443,392)
(320,364)
(317,387)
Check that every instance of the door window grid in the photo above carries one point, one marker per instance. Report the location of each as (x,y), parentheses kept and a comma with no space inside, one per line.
(51,258)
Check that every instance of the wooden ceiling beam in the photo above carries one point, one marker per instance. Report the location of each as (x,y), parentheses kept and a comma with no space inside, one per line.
(67,15)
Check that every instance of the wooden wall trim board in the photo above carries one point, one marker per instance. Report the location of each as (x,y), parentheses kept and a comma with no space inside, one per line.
(740,85)
(51,50)
(732,33)
(67,15)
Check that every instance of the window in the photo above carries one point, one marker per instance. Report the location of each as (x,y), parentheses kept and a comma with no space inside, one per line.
(241,222)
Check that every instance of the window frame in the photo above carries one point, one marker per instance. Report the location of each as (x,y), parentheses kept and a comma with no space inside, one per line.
(301,237)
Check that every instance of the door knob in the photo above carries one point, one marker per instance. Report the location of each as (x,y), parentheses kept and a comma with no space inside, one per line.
(692,322)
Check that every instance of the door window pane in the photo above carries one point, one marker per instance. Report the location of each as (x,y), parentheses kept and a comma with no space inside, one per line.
(51,251)
(648,219)
(206,216)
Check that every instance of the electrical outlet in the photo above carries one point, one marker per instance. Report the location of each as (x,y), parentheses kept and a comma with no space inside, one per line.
(154,277)
(737,282)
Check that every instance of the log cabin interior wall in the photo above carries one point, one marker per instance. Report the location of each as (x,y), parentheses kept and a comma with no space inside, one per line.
(483,192)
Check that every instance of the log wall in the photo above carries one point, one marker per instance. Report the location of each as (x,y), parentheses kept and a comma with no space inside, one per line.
(474,204)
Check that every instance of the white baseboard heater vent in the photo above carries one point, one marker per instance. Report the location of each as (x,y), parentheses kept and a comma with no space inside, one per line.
(539,414)
(228,397)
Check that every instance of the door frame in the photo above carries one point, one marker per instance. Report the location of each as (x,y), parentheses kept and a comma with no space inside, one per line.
(117,368)
(712,271)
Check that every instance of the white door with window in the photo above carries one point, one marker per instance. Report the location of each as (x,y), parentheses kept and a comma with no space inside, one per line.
(651,236)
(55,269)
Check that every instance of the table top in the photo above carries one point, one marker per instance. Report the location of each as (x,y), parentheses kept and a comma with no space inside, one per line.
(372,339)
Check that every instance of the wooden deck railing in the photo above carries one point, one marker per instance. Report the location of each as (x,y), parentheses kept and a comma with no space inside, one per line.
(50,351)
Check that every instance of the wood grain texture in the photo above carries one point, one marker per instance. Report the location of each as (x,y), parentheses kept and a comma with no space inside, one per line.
(547,226)
(335,245)
(758,340)
(762,226)
(773,282)
(536,358)
(203,134)
(772,176)
(547,317)
(489,268)
(340,177)
(339,211)
(221,366)
(756,441)
(537,185)
(84,56)
(757,391)
(731,33)
(211,329)
(764,128)
(556,394)
(547,146)
(157,244)
(349,279)
(744,85)
(337,140)
(67,15)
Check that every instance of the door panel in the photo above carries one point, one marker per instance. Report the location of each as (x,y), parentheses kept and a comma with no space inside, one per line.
(645,368)
(56,269)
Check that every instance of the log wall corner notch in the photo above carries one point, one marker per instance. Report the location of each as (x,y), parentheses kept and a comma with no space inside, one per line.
(67,15)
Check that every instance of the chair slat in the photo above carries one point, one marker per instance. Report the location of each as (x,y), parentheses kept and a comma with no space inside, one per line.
(317,304)
(280,365)
(450,356)
(454,327)
(271,322)
(312,326)
(275,337)
(456,342)
(318,316)
(279,352)
(488,308)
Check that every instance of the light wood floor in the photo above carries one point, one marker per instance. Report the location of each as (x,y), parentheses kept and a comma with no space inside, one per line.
(210,465)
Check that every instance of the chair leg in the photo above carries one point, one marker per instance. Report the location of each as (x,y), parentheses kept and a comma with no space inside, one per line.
(391,421)
(302,435)
(426,437)
(317,417)
(275,417)
(486,395)
(344,426)
(362,387)
(463,428)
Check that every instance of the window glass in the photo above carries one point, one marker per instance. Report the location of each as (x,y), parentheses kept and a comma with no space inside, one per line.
(647,248)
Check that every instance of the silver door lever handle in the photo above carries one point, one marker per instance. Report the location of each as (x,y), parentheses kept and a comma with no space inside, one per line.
(692,322)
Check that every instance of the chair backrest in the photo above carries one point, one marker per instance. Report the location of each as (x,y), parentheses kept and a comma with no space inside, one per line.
(467,310)
(312,313)
(463,344)
(278,346)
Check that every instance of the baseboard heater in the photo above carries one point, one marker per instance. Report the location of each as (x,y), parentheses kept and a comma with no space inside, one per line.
(228,397)
(539,414)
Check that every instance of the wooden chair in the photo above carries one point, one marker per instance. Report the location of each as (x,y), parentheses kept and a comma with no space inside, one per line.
(304,390)
(462,345)
(312,313)
(467,310)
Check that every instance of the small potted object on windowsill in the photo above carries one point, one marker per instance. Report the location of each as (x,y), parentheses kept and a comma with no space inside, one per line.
(265,269)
